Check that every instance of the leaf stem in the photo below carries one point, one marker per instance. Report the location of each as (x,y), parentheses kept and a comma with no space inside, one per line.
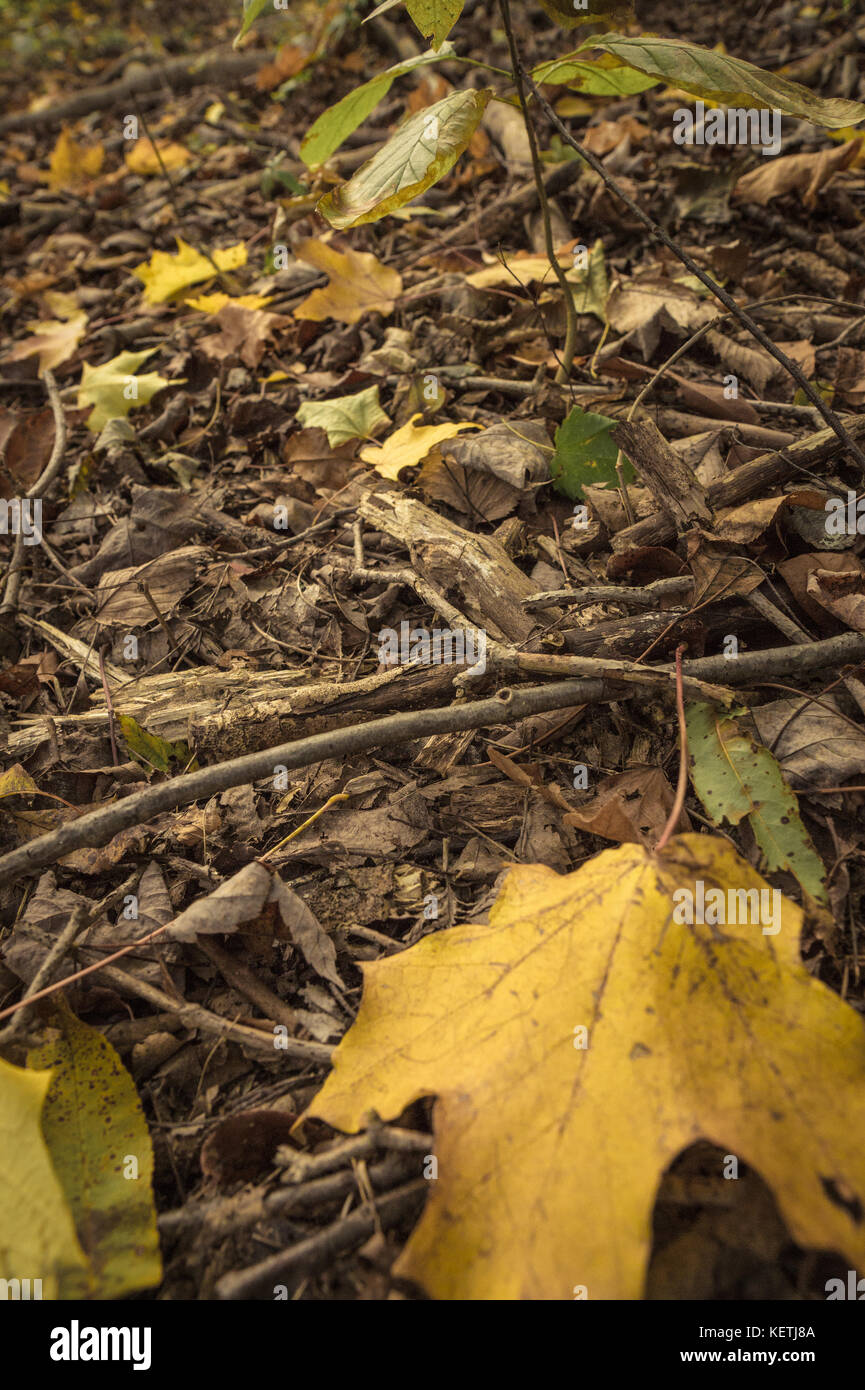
(681,789)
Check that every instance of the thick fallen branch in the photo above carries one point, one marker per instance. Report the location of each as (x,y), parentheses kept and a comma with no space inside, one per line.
(98,827)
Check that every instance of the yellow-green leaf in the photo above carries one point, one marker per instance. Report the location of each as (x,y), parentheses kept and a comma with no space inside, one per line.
(421,152)
(38,1239)
(98,1139)
(113,389)
(584,1038)
(435,18)
(718,77)
(336,123)
(346,417)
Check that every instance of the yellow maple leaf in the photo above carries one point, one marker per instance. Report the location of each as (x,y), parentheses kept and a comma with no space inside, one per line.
(72,164)
(409,445)
(142,158)
(113,389)
(167,273)
(591,1032)
(358,283)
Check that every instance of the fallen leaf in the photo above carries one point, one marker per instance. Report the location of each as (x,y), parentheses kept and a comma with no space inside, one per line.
(244,333)
(734,777)
(54,340)
(39,1239)
(121,599)
(73,165)
(794,173)
(409,445)
(113,389)
(97,1136)
(143,158)
(631,807)
(580,1042)
(358,284)
(345,417)
(167,273)
(813,743)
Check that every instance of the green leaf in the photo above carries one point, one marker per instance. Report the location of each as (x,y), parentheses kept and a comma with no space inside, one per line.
(421,152)
(593,78)
(435,18)
(38,1240)
(345,417)
(336,123)
(153,751)
(585,453)
(250,15)
(732,81)
(735,777)
(97,1136)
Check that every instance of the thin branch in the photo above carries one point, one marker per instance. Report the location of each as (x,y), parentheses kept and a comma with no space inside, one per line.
(520,77)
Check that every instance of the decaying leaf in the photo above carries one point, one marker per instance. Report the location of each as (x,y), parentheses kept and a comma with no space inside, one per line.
(39,1240)
(581,1041)
(735,777)
(97,1136)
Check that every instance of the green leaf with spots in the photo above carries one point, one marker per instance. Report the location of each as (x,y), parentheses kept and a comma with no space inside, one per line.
(585,453)
(736,777)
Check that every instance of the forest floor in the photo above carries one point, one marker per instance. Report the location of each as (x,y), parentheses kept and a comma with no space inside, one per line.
(219,561)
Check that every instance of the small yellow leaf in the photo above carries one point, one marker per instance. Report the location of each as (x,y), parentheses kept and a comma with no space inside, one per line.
(358,283)
(409,445)
(98,1139)
(73,165)
(143,158)
(166,274)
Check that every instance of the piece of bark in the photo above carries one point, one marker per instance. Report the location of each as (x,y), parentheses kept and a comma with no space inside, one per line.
(490,589)
(672,483)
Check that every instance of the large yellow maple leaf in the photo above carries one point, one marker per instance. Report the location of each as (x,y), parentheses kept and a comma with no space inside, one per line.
(582,1040)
